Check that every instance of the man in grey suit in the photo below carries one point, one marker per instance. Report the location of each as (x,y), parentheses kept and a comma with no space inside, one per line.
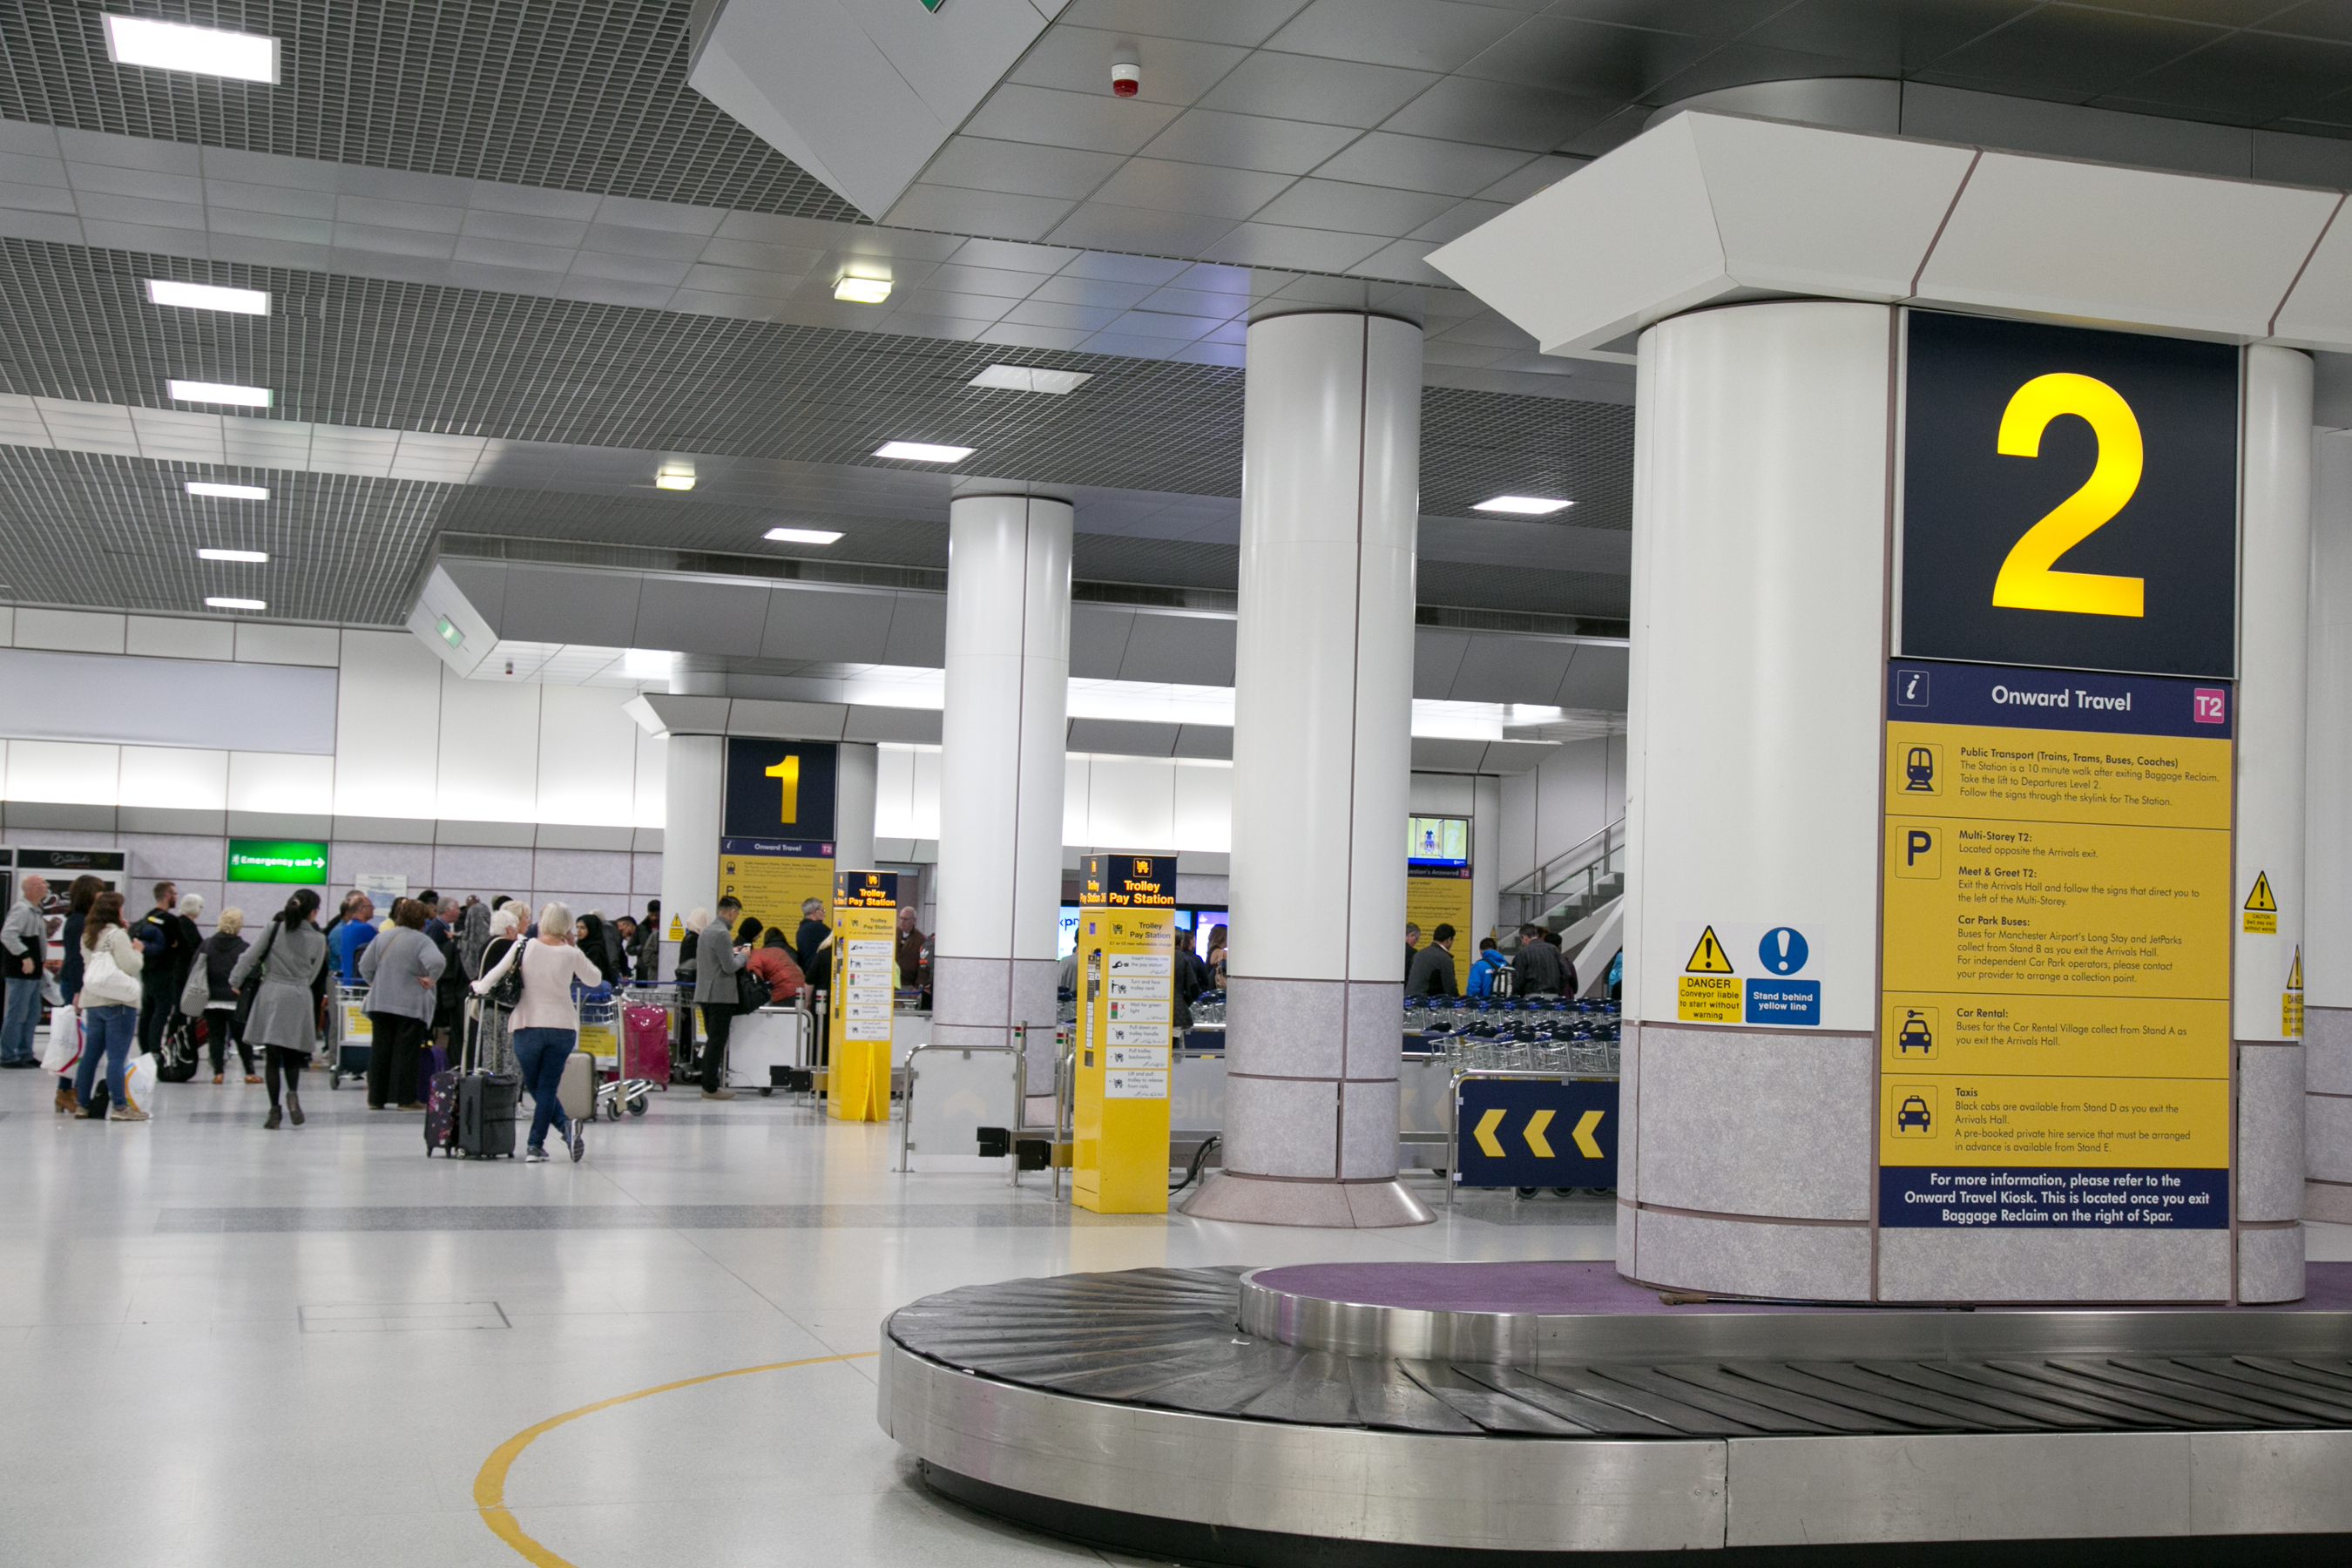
(716,993)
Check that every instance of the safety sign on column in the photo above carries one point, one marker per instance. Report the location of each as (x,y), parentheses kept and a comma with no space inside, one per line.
(1747,972)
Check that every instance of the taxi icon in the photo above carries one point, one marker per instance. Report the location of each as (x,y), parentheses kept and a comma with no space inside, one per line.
(1913,1114)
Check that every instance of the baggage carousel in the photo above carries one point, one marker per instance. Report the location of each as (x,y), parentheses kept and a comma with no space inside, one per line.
(1378,1413)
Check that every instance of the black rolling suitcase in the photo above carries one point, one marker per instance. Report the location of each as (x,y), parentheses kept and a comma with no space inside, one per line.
(472,1112)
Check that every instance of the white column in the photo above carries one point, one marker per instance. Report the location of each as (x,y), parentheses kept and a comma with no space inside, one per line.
(1322,762)
(2327,845)
(2274,584)
(694,799)
(1751,791)
(854,779)
(1003,740)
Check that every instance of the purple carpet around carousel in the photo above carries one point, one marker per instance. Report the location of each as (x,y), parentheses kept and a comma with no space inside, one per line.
(1595,1287)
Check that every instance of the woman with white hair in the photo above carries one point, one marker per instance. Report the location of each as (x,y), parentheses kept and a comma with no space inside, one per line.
(219,955)
(546,1021)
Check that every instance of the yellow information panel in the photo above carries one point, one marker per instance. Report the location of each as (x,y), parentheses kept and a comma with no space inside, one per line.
(772,877)
(864,930)
(1126,999)
(2054,1048)
(1440,895)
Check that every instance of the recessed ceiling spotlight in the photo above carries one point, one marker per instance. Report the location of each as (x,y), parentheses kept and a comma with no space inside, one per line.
(206,51)
(1023,378)
(206,297)
(803,535)
(862,290)
(227,492)
(675,477)
(1523,506)
(235,604)
(218,392)
(922,452)
(232,555)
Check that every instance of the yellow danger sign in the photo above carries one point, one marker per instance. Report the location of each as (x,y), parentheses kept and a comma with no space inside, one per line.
(2261,908)
(2294,975)
(1707,957)
(2291,1001)
(677,929)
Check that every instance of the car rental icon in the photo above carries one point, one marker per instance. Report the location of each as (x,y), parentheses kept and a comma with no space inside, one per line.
(1913,1114)
(1914,1032)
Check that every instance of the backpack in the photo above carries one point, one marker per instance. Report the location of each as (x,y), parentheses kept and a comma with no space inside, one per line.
(752,991)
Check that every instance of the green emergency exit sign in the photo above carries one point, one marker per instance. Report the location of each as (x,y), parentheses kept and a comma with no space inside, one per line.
(277,861)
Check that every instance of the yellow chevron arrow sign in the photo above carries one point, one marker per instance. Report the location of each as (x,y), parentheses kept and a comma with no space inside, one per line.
(1537,1122)
(1586,1125)
(1484,1133)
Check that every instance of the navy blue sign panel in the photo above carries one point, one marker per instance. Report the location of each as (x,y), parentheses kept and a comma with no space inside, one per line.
(780,789)
(1923,691)
(2051,1197)
(1535,1133)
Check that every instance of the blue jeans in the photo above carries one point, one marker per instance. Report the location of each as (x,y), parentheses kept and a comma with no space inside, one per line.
(539,1053)
(24,1011)
(107,1032)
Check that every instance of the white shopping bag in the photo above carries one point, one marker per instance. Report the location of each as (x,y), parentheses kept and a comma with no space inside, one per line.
(63,1049)
(139,1082)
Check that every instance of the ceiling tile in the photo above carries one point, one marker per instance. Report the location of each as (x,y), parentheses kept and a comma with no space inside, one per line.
(1094,122)
(2247,79)
(1354,210)
(1024,335)
(1078,59)
(1704,19)
(978,212)
(1196,303)
(2070,53)
(1110,293)
(1888,40)
(1403,260)
(2219,13)
(1191,188)
(1166,324)
(1274,244)
(1530,178)
(997,253)
(1571,56)
(1112,227)
(1249,142)
(1152,270)
(1419,164)
(1421,34)
(1498,114)
(993,281)
(933,301)
(2314,19)
(1024,168)
(1045,313)
(1458,220)
(1326,92)
(1243,22)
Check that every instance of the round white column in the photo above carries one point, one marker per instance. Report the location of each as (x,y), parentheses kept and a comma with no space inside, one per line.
(695,786)
(2328,845)
(1745,1162)
(1003,740)
(853,780)
(1322,764)
(2274,581)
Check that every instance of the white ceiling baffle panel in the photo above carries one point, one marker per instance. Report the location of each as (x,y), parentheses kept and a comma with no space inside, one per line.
(387,722)
(72,770)
(488,751)
(861,95)
(277,781)
(1076,784)
(587,756)
(2044,236)
(1204,807)
(894,792)
(183,779)
(2318,314)
(1132,803)
(649,807)
(923,821)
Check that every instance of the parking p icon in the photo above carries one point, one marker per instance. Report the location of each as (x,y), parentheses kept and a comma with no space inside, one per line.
(1918,851)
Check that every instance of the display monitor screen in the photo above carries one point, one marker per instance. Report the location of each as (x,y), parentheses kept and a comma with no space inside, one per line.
(1066,941)
(1438,841)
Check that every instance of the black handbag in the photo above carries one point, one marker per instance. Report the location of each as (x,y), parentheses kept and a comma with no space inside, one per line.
(252,986)
(507,991)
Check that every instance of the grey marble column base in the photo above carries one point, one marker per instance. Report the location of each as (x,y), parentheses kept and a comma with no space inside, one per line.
(1333,1205)
(2329,1201)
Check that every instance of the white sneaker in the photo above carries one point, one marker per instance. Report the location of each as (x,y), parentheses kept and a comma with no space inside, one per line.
(534,1157)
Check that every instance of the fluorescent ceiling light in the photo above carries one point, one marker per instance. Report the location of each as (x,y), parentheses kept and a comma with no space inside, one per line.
(1523,506)
(235,604)
(227,492)
(921,452)
(217,392)
(803,535)
(232,555)
(646,662)
(862,290)
(1023,378)
(206,51)
(675,477)
(204,297)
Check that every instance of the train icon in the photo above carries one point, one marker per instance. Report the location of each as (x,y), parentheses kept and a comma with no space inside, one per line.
(1920,771)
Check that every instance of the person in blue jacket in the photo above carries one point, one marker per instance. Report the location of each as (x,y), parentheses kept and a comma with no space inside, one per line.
(1482,973)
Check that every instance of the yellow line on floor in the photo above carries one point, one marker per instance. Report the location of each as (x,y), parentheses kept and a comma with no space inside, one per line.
(491,1481)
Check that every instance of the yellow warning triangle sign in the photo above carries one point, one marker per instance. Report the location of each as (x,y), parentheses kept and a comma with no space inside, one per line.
(2294,975)
(2260,899)
(1707,957)
(677,929)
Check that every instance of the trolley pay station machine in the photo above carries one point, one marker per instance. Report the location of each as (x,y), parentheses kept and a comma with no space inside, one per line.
(864,933)
(1126,994)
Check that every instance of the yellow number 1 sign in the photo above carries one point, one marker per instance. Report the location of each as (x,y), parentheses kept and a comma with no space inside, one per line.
(787,774)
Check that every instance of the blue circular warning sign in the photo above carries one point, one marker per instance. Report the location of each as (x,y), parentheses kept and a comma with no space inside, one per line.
(1782,951)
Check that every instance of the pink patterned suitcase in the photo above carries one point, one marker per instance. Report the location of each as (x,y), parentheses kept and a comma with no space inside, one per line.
(645,1043)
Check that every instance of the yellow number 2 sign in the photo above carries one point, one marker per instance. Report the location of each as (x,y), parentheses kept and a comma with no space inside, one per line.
(2028,580)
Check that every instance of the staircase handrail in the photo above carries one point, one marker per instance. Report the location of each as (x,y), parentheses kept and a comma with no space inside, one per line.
(1548,875)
